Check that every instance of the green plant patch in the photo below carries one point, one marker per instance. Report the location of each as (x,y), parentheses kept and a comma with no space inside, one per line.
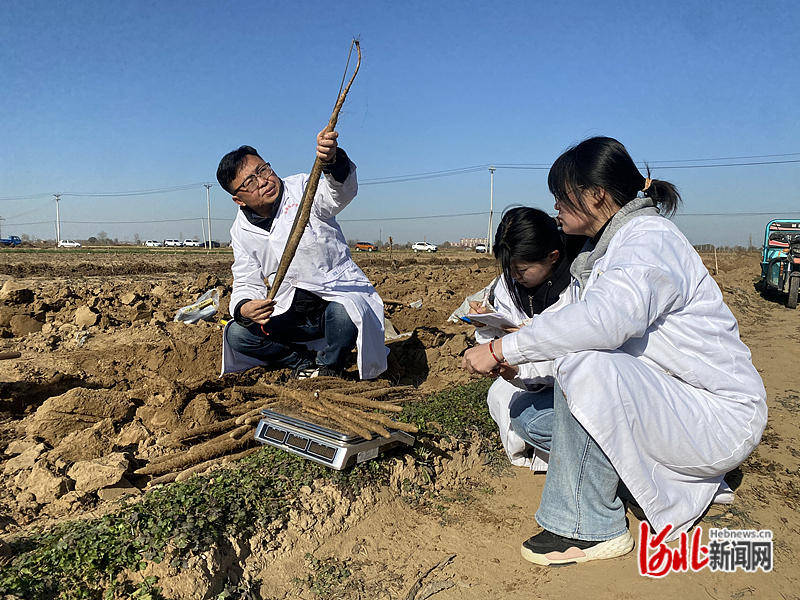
(82,559)
(456,412)
(328,577)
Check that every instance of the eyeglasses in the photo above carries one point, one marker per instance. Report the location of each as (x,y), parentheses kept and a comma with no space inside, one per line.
(250,184)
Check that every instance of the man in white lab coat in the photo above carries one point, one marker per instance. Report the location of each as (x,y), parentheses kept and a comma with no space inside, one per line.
(325,306)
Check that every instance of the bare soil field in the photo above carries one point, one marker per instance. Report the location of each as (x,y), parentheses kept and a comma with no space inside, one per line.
(106,376)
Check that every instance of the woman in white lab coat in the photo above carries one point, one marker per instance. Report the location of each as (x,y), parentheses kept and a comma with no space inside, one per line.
(654,387)
(534,258)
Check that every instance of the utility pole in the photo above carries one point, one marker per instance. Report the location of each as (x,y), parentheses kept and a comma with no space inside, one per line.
(3,219)
(489,240)
(58,220)
(208,207)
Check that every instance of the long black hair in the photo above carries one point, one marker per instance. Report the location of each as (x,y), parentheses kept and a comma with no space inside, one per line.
(603,162)
(528,235)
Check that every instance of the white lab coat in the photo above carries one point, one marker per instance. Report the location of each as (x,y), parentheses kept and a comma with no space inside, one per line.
(532,376)
(651,364)
(322,265)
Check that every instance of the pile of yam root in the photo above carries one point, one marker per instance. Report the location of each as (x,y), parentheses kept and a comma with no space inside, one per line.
(347,407)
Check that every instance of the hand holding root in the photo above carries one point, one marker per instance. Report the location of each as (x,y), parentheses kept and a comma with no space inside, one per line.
(480,361)
(508,372)
(258,311)
(326,145)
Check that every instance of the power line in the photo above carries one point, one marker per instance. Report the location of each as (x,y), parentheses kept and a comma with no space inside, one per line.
(228,220)
(742,214)
(147,192)
(166,190)
(426,175)
(443,173)
(779,211)
(739,164)
(726,158)
(30,197)
(747,164)
(472,214)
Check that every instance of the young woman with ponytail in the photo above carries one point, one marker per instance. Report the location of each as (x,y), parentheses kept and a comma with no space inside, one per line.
(654,390)
(534,257)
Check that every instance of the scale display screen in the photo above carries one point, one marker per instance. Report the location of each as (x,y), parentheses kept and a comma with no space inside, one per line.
(277,435)
(322,444)
(322,450)
(297,442)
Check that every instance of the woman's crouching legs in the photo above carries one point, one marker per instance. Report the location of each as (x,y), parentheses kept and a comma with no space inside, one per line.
(579,499)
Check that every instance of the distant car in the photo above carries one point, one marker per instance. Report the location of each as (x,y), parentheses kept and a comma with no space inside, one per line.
(214,244)
(173,243)
(192,244)
(11,240)
(68,244)
(153,244)
(480,248)
(365,247)
(424,247)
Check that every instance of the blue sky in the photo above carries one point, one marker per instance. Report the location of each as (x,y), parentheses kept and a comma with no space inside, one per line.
(106,97)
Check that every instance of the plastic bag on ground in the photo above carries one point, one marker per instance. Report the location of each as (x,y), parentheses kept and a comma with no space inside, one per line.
(205,307)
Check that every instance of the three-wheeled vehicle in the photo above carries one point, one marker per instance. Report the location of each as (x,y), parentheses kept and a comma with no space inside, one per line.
(780,259)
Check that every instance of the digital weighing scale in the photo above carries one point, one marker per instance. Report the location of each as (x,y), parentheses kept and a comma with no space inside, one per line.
(321,444)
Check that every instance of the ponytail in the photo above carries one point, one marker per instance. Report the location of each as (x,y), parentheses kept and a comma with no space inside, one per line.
(663,193)
(603,162)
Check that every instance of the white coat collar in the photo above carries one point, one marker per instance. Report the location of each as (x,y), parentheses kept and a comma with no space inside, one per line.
(242,223)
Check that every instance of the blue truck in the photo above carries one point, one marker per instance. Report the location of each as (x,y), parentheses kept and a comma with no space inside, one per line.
(11,240)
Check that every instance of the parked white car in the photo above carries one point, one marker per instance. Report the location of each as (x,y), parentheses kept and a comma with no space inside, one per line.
(153,244)
(192,243)
(480,248)
(424,247)
(68,244)
(173,243)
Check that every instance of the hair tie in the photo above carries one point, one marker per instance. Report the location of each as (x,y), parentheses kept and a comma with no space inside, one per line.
(647,182)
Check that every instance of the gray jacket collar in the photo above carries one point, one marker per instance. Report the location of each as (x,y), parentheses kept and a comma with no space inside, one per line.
(582,265)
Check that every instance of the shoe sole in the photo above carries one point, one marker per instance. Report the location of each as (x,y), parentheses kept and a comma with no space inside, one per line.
(311,374)
(619,546)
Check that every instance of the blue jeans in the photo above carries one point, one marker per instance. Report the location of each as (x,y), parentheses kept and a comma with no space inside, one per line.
(580,499)
(532,417)
(281,347)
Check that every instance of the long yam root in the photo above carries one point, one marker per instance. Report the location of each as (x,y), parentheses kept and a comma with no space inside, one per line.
(195,455)
(168,478)
(379,392)
(239,432)
(358,401)
(343,423)
(245,427)
(357,419)
(204,466)
(241,409)
(242,418)
(177,438)
(384,420)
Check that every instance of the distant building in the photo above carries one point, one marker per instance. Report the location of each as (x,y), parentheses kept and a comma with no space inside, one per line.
(471,242)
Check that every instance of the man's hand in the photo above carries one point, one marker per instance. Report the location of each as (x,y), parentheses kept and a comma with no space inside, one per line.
(258,311)
(326,145)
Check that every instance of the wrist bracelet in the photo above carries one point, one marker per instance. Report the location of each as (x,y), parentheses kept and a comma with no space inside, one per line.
(494,356)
